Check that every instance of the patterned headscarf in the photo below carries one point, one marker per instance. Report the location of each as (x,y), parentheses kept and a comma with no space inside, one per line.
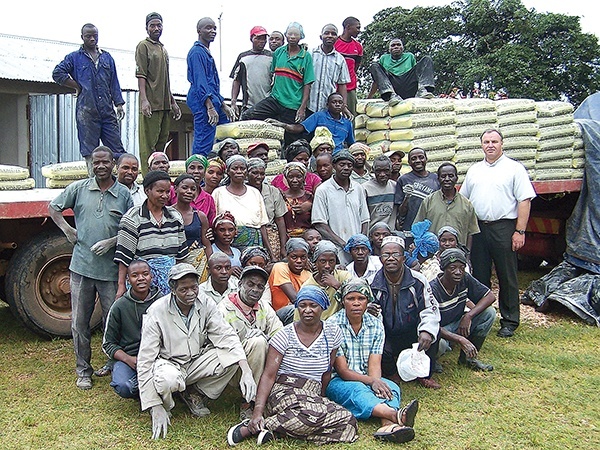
(224,217)
(296,148)
(314,294)
(235,158)
(358,147)
(224,142)
(154,155)
(356,241)
(294,165)
(322,136)
(377,226)
(297,26)
(354,285)
(254,163)
(294,244)
(217,162)
(450,230)
(251,252)
(200,158)
(323,246)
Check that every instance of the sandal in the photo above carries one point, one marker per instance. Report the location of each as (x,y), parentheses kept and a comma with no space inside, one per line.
(409,412)
(395,433)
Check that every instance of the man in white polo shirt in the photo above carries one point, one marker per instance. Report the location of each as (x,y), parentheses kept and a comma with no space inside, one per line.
(501,193)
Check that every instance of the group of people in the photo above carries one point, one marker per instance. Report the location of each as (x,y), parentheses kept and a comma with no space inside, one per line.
(289,85)
(303,289)
(308,314)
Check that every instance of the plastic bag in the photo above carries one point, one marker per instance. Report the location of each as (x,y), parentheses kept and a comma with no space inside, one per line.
(413,363)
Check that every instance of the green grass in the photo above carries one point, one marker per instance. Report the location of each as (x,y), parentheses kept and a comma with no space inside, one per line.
(543,393)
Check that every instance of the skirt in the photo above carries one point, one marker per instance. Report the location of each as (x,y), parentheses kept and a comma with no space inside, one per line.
(297,409)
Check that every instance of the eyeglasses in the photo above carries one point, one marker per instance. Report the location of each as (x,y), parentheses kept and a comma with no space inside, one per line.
(395,255)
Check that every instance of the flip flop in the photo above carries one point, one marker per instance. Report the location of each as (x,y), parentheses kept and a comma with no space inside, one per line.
(395,433)
(409,412)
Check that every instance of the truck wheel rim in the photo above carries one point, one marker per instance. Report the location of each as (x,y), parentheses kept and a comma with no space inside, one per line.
(53,288)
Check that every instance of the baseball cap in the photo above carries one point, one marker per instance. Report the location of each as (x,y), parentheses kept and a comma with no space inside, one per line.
(181,270)
(249,270)
(258,31)
(392,152)
(253,147)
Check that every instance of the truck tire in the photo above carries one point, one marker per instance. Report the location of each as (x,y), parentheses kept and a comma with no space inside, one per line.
(38,286)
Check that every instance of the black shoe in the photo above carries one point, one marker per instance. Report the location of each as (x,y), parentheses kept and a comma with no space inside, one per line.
(475,364)
(506,332)
(265,436)
(409,412)
(234,435)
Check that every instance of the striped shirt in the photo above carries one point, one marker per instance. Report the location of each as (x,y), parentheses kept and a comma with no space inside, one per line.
(357,348)
(140,235)
(308,362)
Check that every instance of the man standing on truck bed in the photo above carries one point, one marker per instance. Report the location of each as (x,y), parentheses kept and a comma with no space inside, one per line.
(501,193)
(98,204)
(91,71)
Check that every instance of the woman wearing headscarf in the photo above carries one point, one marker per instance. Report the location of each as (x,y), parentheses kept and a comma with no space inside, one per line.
(153,232)
(246,204)
(274,205)
(196,166)
(327,275)
(298,151)
(378,231)
(195,224)
(297,199)
(357,383)
(287,277)
(322,142)
(289,401)
(448,238)
(215,171)
(363,265)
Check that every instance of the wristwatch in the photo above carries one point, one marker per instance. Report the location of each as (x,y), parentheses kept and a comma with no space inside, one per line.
(520,231)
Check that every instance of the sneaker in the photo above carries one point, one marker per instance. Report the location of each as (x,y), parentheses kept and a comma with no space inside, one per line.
(265,436)
(84,383)
(103,371)
(394,100)
(195,402)
(234,435)
(246,412)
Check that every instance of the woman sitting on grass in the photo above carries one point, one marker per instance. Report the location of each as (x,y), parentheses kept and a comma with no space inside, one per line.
(290,398)
(357,383)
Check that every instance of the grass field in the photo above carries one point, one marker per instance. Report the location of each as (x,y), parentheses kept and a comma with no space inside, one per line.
(543,393)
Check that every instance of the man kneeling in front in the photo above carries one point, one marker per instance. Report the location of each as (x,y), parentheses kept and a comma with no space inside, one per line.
(187,347)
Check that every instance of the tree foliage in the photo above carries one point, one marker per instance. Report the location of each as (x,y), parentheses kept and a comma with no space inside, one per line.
(493,44)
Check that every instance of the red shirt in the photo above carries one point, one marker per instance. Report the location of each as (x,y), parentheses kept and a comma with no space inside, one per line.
(351,51)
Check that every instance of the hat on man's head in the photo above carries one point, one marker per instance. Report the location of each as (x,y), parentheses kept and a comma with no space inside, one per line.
(152,16)
(359,147)
(395,152)
(258,31)
(254,270)
(255,146)
(343,155)
(450,256)
(180,270)
(393,240)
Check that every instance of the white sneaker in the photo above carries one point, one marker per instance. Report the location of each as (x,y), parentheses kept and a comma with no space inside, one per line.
(84,383)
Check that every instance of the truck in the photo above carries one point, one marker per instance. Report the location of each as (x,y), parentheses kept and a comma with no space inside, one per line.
(35,255)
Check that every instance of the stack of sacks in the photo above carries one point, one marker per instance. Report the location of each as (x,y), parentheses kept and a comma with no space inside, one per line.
(557,136)
(60,175)
(176,168)
(473,117)
(414,123)
(578,161)
(360,120)
(15,178)
(244,143)
(519,114)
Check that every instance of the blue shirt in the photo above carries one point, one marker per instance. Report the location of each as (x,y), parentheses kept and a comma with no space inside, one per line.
(341,130)
(100,88)
(97,217)
(203,77)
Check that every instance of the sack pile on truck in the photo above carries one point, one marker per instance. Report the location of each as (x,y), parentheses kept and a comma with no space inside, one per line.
(60,175)
(15,178)
(578,159)
(554,160)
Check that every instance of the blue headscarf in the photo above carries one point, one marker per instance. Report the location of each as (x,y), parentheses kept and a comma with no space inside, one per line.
(314,294)
(357,240)
(426,242)
(298,27)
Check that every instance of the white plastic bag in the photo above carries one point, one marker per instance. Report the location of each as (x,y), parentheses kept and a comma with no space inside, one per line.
(413,364)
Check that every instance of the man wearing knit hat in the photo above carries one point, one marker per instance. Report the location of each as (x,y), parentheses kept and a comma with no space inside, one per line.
(459,324)
(252,72)
(360,172)
(156,100)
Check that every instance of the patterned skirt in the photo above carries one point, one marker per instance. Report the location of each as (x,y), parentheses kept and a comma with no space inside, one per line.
(247,237)
(295,408)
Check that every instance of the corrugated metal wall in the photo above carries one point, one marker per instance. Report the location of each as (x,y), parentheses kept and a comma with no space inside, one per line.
(54,130)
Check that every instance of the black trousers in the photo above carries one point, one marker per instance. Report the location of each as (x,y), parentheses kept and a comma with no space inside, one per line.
(494,245)
(269,108)
(395,344)
(407,84)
